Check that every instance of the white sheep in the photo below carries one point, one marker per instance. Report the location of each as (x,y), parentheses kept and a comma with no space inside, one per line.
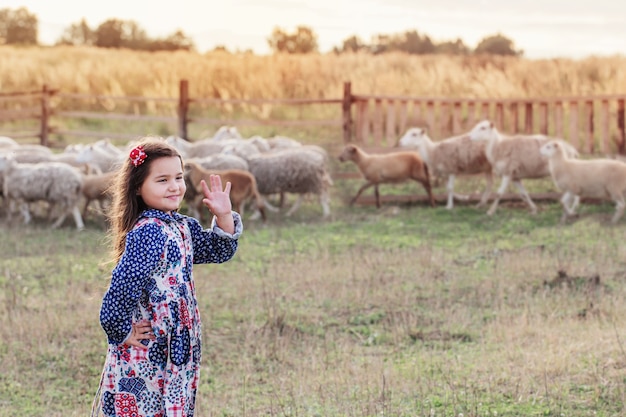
(226,132)
(458,155)
(221,161)
(101,157)
(514,158)
(389,168)
(197,149)
(301,170)
(7,142)
(595,178)
(56,183)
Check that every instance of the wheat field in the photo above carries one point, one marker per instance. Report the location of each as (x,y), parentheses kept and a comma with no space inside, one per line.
(224,75)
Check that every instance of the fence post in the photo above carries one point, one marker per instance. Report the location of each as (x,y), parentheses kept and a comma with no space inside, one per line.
(183,108)
(45,115)
(621,138)
(347,112)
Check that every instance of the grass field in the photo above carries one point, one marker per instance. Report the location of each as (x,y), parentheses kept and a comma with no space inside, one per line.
(402,311)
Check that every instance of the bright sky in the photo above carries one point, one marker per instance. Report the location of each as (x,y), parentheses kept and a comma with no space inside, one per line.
(542,28)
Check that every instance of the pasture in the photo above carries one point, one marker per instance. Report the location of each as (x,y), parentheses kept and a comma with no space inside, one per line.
(405,310)
(402,311)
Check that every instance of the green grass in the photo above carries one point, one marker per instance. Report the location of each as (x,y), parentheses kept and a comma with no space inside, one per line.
(399,311)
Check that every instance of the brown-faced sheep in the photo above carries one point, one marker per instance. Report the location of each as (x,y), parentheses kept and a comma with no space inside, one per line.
(243,187)
(96,187)
(394,167)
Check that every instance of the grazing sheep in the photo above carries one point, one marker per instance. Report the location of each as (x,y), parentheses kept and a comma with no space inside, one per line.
(392,168)
(198,149)
(221,161)
(514,158)
(7,142)
(97,187)
(298,170)
(596,178)
(101,157)
(281,142)
(54,182)
(226,132)
(451,157)
(243,187)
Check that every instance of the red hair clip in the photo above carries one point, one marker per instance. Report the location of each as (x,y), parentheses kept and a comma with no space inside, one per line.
(137,156)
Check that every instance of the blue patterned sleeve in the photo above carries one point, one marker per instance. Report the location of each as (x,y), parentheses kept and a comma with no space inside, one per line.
(144,248)
(214,245)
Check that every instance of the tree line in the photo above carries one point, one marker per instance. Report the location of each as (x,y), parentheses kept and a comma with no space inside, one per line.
(20,27)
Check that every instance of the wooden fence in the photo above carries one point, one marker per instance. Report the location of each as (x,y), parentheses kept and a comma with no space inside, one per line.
(594,124)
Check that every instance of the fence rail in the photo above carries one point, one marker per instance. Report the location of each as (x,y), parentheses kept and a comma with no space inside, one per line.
(594,124)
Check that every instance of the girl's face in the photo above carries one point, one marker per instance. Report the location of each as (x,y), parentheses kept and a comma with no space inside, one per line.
(164,186)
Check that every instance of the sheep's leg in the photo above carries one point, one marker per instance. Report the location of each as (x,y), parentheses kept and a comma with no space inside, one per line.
(269,206)
(485,197)
(25,212)
(619,209)
(325,202)
(452,195)
(503,186)
(60,220)
(377,194)
(450,188)
(295,206)
(566,203)
(574,205)
(77,218)
(358,193)
(525,196)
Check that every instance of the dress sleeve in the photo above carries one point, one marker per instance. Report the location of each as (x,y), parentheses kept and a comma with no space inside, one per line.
(144,248)
(214,245)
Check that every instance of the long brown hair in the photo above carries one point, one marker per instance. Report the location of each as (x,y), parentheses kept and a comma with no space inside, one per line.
(127,205)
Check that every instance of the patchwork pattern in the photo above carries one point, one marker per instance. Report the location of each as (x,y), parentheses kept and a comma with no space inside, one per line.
(153,281)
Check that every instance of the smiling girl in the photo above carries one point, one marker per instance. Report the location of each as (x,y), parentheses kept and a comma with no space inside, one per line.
(150,312)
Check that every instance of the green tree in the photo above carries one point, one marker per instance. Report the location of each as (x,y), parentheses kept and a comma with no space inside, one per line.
(78,34)
(18,27)
(302,41)
(497,45)
(115,33)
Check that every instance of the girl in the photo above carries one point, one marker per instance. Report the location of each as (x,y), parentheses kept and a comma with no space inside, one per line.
(150,313)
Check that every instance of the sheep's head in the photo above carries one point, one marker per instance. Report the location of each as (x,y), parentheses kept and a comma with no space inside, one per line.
(348,153)
(413,137)
(6,161)
(484,130)
(550,149)
(227,132)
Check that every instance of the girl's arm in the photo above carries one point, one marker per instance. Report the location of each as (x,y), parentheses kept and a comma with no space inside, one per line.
(214,245)
(144,247)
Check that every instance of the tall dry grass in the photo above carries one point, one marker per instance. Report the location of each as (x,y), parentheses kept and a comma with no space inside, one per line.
(224,75)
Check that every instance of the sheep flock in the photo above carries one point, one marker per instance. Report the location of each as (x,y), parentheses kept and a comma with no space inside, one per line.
(266,172)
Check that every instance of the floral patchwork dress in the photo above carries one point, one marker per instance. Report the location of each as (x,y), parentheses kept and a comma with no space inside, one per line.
(153,281)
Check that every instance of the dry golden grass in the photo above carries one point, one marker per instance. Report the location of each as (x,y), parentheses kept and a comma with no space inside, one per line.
(224,75)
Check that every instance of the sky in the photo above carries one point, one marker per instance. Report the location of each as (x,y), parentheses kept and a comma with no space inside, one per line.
(541,28)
